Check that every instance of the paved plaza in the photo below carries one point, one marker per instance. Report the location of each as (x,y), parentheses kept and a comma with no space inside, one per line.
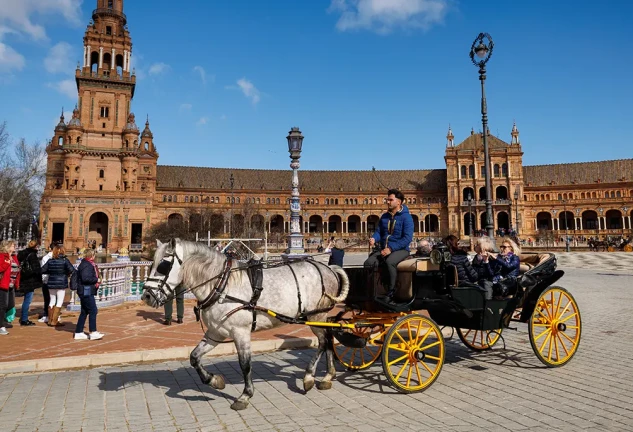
(498,390)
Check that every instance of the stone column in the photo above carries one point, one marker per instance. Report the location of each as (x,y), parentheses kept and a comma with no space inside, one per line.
(85,55)
(125,60)
(100,57)
(113,61)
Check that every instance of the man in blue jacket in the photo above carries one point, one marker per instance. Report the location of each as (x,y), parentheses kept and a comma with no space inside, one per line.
(392,238)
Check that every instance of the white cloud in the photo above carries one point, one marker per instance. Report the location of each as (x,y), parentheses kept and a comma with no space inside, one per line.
(383,16)
(10,59)
(202,72)
(202,121)
(249,90)
(59,58)
(158,68)
(66,87)
(185,107)
(17,15)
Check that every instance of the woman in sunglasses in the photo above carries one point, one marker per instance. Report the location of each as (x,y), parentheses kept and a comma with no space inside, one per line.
(506,268)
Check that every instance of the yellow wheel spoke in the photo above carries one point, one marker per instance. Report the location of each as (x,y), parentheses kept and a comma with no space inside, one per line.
(573,342)
(402,370)
(345,351)
(565,309)
(362,356)
(543,306)
(427,368)
(391,363)
(540,324)
(417,332)
(403,341)
(430,345)
(539,310)
(431,357)
(570,316)
(409,330)
(543,344)
(551,296)
(548,329)
(562,344)
(417,371)
(474,337)
(409,375)
(549,351)
(397,348)
(351,360)
(428,332)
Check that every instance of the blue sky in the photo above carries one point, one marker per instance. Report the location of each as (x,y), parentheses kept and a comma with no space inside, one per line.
(369,82)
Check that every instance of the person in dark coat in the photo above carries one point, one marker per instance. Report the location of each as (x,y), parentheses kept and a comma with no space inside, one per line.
(58,268)
(88,273)
(336,249)
(465,271)
(30,279)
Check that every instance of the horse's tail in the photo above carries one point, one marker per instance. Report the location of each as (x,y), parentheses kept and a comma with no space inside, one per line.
(344,285)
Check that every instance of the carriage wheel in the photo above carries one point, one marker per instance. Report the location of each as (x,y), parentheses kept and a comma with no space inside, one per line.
(413,354)
(555,327)
(360,358)
(611,248)
(479,340)
(628,248)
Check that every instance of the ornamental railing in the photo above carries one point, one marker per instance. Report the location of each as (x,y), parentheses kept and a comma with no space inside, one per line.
(109,12)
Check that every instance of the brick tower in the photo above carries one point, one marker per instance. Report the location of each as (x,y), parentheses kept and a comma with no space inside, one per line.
(100,152)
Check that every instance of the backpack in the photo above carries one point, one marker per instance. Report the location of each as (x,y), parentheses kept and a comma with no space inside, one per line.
(27,268)
(75,282)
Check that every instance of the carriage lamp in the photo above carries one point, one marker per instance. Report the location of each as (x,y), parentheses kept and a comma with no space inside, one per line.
(480,53)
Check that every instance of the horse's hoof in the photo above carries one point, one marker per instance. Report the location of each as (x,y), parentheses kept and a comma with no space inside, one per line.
(217,382)
(308,383)
(239,405)
(324,385)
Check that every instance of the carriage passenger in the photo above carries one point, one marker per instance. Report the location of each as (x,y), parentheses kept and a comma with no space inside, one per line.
(482,264)
(465,271)
(506,267)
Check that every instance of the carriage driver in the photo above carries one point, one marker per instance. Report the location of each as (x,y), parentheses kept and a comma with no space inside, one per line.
(392,236)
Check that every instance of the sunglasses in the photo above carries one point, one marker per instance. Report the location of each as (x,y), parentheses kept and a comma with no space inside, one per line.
(505,247)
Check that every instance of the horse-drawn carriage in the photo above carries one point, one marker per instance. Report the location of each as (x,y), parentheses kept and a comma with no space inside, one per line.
(410,342)
(405,333)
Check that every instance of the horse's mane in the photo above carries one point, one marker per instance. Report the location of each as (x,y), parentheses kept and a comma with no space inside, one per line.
(191,248)
(202,263)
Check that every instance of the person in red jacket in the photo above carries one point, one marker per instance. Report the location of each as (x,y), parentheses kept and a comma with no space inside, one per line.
(8,282)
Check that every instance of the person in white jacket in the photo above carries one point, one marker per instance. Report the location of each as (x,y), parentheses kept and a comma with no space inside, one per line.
(47,296)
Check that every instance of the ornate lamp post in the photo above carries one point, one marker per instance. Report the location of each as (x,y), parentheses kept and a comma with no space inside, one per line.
(624,210)
(566,227)
(470,215)
(480,53)
(429,216)
(231,182)
(516,211)
(295,239)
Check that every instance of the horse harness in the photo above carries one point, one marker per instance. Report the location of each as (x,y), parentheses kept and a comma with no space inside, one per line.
(255,272)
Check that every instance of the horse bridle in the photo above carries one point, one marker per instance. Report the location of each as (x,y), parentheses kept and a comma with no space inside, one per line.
(164,269)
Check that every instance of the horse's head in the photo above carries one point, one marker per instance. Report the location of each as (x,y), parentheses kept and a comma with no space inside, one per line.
(164,275)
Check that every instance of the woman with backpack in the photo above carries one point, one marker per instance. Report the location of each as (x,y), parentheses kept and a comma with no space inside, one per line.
(58,268)
(30,279)
(87,286)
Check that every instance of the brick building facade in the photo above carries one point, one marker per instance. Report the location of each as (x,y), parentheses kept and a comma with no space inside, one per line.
(103,182)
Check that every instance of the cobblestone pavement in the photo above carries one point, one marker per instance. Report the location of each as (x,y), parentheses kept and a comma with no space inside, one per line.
(498,390)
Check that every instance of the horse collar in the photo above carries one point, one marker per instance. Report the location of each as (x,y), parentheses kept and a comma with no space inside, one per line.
(216,292)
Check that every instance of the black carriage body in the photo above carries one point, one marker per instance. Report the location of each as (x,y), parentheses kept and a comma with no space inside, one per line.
(423,285)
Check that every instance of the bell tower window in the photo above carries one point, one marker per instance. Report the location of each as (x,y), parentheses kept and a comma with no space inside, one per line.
(105,112)
(110,4)
(101,174)
(109,29)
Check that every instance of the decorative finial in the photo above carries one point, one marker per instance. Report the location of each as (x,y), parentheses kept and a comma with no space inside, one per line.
(450,137)
(514,133)
(147,121)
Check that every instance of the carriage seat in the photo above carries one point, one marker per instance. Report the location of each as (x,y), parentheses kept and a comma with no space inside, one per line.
(529,261)
(406,270)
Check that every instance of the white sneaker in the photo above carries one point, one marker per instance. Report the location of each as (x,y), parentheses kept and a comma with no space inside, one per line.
(44,319)
(81,336)
(3,331)
(96,335)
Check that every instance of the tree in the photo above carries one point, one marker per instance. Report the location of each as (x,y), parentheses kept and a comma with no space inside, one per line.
(22,173)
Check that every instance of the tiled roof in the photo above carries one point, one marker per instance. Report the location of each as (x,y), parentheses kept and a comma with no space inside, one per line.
(611,171)
(475,141)
(170,177)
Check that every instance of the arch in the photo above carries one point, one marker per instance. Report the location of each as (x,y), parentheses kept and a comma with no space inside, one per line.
(468,218)
(315,224)
(544,221)
(468,192)
(504,169)
(334,224)
(277,223)
(431,223)
(501,193)
(186,199)
(582,195)
(525,198)
(353,224)
(618,194)
(168,198)
(471,171)
(237,225)
(94,61)
(593,195)
(503,220)
(98,223)
(613,219)
(482,220)
(560,197)
(107,61)
(195,222)
(463,172)
(146,146)
(257,223)
(335,201)
(216,223)
(589,220)
(101,173)
(497,170)
(566,220)
(174,219)
(119,64)
(482,193)
(60,141)
(416,223)
(372,223)
(164,198)
(346,202)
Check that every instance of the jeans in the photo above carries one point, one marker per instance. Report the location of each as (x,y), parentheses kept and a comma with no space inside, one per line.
(89,308)
(391,262)
(180,304)
(26,304)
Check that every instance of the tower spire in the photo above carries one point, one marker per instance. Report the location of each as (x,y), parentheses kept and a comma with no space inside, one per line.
(515,134)
(450,138)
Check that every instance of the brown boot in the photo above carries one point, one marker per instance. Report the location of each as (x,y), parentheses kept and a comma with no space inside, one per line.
(50,316)
(58,312)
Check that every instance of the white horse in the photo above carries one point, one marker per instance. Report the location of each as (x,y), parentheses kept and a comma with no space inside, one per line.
(303,288)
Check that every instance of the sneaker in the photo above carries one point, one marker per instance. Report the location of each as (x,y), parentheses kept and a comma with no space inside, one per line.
(96,335)
(81,336)
(3,331)
(27,323)
(44,319)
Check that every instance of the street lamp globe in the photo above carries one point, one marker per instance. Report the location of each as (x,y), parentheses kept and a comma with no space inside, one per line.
(295,141)
(481,49)
(516,195)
